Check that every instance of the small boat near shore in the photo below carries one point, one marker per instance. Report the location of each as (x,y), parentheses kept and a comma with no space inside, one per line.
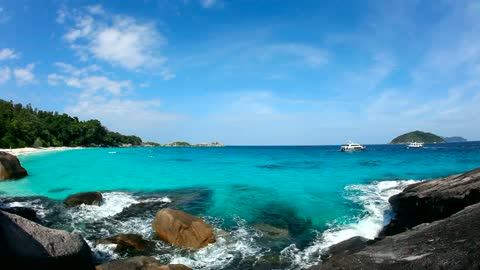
(415,145)
(351,147)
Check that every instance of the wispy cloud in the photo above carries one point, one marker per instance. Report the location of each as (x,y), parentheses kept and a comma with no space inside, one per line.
(4,17)
(4,74)
(7,53)
(25,75)
(208,3)
(117,39)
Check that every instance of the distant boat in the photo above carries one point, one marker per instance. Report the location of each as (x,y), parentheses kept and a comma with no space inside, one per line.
(350,147)
(415,145)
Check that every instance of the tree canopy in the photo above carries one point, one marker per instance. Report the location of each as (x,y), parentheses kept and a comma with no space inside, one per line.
(23,126)
(418,136)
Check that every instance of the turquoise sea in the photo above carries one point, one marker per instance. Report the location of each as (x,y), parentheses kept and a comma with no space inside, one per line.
(273,207)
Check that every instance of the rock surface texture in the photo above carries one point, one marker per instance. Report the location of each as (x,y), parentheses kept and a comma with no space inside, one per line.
(10,168)
(139,263)
(433,200)
(88,198)
(25,244)
(181,229)
(127,242)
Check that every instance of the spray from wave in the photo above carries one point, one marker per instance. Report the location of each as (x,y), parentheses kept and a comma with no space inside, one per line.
(374,200)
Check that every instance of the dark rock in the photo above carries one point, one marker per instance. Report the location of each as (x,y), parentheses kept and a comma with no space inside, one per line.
(139,263)
(346,247)
(89,198)
(24,244)
(127,242)
(181,229)
(452,243)
(10,167)
(433,200)
(272,232)
(24,212)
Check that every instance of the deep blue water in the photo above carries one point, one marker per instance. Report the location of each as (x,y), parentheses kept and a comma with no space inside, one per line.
(318,194)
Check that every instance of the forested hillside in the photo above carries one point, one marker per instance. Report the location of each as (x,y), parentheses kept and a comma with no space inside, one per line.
(23,126)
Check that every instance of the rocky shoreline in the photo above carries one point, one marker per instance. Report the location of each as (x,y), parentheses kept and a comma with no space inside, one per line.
(436,226)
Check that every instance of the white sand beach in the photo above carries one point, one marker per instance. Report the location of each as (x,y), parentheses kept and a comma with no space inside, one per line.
(31,150)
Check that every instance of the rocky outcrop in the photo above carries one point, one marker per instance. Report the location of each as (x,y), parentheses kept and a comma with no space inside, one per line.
(452,243)
(181,229)
(24,212)
(88,198)
(139,263)
(24,244)
(10,167)
(433,200)
(127,242)
(346,247)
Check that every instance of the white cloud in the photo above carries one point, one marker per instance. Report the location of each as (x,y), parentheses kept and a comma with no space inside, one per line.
(4,74)
(62,14)
(4,17)
(119,40)
(24,75)
(308,54)
(6,54)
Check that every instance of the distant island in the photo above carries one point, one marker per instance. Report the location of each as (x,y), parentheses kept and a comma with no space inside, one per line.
(183,144)
(454,139)
(418,136)
(23,126)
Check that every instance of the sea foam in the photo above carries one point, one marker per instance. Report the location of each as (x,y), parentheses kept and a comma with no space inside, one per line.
(373,198)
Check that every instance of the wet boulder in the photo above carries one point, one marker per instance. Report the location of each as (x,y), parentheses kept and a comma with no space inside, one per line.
(139,263)
(24,243)
(24,212)
(433,200)
(88,198)
(127,242)
(346,247)
(10,168)
(181,229)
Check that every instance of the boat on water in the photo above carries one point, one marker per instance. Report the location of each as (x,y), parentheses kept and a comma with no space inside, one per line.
(351,146)
(415,145)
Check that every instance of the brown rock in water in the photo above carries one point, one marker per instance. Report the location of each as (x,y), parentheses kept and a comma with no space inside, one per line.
(25,244)
(272,232)
(139,263)
(127,242)
(89,198)
(10,167)
(181,229)
(452,243)
(433,200)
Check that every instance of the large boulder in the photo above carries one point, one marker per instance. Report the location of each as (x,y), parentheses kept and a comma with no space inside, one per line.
(127,242)
(433,200)
(24,212)
(181,229)
(88,198)
(139,263)
(10,167)
(452,243)
(24,243)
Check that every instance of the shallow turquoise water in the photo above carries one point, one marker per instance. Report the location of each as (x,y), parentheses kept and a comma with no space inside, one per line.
(326,188)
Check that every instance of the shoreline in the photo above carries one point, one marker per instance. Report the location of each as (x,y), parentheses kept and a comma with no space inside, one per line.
(32,150)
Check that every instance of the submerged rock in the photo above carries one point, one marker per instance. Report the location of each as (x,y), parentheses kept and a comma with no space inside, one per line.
(127,242)
(139,263)
(433,200)
(24,212)
(25,243)
(89,198)
(272,232)
(181,229)
(452,243)
(10,167)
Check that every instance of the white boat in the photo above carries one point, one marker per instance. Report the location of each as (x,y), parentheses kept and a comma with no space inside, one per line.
(350,147)
(415,145)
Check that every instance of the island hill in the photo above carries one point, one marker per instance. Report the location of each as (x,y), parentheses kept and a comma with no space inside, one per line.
(424,137)
(183,144)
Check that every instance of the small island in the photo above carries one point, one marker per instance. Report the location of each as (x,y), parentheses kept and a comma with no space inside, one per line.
(183,144)
(417,136)
(454,139)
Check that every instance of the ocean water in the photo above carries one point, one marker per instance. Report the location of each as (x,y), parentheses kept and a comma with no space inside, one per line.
(272,207)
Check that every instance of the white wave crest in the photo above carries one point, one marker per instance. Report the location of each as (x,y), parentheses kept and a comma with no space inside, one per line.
(374,199)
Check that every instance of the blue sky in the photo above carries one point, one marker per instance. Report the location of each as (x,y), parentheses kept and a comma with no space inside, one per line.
(249,72)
